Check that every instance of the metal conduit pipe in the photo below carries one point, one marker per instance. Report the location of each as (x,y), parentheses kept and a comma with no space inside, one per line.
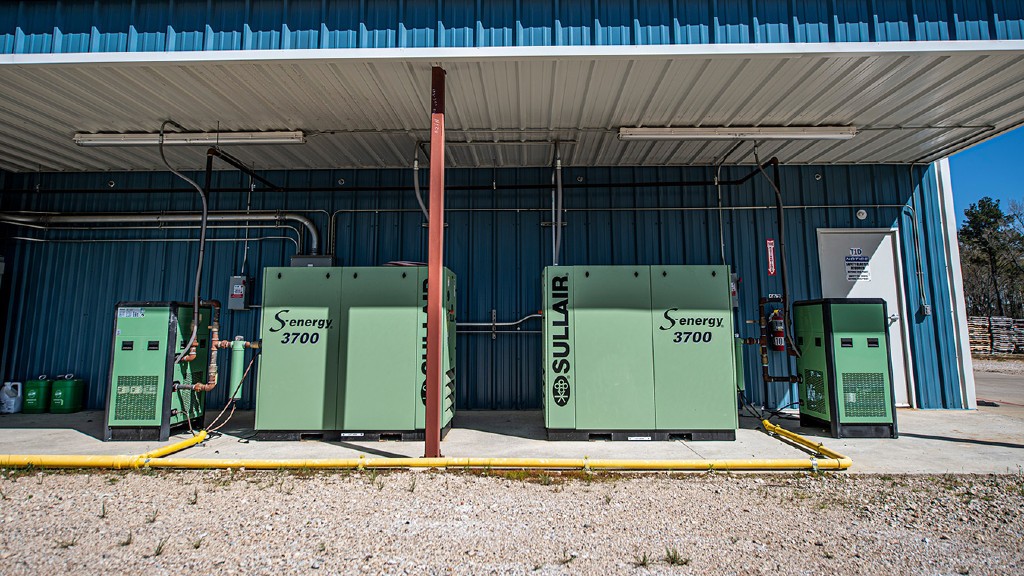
(822,458)
(158,217)
(416,184)
(147,240)
(558,207)
(297,240)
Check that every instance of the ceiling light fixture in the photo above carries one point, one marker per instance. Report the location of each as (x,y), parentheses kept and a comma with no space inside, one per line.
(190,138)
(740,133)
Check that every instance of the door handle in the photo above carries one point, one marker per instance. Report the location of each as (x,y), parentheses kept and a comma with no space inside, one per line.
(893,318)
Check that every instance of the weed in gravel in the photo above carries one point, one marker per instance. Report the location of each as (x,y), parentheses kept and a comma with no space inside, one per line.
(544,479)
(641,560)
(373,473)
(412,484)
(3,496)
(321,547)
(152,517)
(607,499)
(159,549)
(113,479)
(67,543)
(566,557)
(197,543)
(379,483)
(127,541)
(673,558)
(103,509)
(194,499)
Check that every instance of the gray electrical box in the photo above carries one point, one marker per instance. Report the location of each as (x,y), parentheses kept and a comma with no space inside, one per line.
(238,298)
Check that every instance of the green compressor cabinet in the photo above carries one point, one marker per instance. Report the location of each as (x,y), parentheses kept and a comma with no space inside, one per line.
(142,403)
(639,353)
(845,367)
(344,353)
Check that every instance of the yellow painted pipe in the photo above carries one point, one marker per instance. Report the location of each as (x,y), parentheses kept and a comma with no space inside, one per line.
(831,461)
(113,462)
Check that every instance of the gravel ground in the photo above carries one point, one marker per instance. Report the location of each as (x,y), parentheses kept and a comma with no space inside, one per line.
(998,364)
(216,522)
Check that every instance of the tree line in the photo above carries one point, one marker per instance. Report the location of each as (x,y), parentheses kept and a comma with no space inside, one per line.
(992,258)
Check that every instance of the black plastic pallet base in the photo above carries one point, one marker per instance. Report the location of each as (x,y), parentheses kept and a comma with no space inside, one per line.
(850,430)
(344,435)
(641,435)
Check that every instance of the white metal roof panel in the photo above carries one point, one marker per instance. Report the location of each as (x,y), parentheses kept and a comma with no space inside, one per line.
(911,102)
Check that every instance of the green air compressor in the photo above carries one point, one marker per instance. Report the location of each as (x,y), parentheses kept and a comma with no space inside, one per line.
(142,400)
(639,353)
(344,353)
(845,367)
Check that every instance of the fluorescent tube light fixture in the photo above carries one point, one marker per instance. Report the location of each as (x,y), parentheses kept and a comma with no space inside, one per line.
(740,133)
(190,138)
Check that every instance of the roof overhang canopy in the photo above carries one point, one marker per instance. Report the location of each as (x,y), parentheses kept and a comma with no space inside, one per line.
(909,101)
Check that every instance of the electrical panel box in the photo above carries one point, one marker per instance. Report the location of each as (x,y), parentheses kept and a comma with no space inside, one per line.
(845,367)
(344,351)
(639,353)
(142,400)
(238,297)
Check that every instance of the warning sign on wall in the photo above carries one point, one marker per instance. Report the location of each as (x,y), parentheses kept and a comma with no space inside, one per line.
(770,246)
(858,269)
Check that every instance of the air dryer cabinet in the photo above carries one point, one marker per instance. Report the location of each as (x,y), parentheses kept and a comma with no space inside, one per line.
(845,367)
(344,351)
(141,401)
(638,352)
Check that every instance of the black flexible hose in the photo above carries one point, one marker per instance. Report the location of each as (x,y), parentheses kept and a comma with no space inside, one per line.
(202,232)
(781,217)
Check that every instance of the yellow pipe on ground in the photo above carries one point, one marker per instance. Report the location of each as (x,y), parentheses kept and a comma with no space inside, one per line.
(117,462)
(831,460)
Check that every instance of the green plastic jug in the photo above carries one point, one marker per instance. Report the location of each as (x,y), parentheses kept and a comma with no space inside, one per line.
(67,395)
(37,395)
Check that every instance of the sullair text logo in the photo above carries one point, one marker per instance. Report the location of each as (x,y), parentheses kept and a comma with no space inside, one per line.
(283,322)
(560,347)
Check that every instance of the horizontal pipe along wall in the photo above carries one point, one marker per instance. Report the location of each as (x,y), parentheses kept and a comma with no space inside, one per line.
(61,314)
(195,25)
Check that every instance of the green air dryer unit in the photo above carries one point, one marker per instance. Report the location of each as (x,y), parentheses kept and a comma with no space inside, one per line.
(845,367)
(344,353)
(142,403)
(639,353)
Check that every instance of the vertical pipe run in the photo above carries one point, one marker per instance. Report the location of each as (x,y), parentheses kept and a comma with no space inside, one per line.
(435,266)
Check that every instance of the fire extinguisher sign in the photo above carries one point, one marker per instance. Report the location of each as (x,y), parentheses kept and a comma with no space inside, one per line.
(769,244)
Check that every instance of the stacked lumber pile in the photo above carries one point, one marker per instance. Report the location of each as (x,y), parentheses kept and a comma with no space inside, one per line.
(1003,341)
(979,335)
(1018,336)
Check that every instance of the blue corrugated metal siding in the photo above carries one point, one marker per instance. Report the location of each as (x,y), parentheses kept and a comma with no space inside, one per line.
(189,25)
(64,294)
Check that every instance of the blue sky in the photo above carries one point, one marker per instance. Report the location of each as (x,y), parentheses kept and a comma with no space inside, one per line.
(989,169)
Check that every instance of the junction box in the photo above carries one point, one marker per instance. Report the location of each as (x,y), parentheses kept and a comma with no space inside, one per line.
(142,403)
(845,367)
(639,353)
(344,352)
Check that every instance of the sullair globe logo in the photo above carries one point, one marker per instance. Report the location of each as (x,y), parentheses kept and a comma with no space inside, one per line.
(560,390)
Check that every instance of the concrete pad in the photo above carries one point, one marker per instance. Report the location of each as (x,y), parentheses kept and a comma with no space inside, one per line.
(989,440)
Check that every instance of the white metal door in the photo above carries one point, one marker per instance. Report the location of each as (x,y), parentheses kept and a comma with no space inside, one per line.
(865,263)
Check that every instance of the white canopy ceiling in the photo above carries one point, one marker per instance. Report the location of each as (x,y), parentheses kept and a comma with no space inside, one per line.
(911,102)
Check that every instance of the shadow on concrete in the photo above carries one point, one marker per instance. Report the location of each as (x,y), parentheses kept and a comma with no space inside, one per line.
(963,440)
(89,422)
(367,450)
(528,424)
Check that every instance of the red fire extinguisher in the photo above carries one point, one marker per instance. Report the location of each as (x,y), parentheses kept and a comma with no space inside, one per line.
(778,329)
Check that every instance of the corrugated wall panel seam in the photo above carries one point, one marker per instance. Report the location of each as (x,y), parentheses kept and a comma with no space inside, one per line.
(497,256)
(43,27)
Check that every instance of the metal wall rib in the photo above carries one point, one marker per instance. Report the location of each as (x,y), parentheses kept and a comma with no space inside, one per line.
(189,25)
(63,295)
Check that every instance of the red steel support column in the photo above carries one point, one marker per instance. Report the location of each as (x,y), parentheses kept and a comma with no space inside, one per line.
(435,266)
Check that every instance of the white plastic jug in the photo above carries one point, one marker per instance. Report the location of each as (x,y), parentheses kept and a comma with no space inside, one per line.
(10,398)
